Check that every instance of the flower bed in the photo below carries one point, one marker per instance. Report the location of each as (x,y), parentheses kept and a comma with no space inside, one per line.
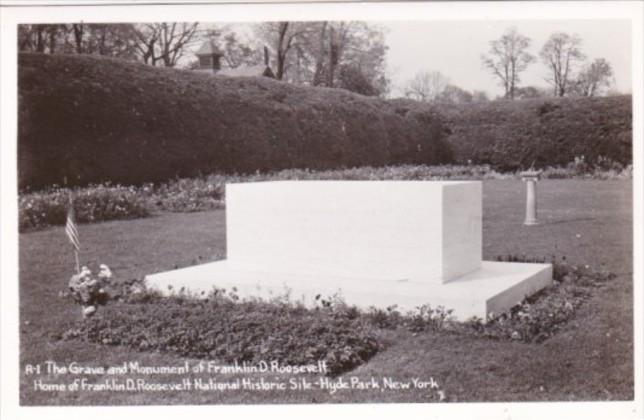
(220,327)
(107,202)
(535,319)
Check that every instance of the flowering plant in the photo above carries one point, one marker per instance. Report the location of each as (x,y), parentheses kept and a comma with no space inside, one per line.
(89,291)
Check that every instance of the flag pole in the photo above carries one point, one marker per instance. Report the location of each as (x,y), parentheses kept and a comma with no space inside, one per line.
(71,231)
(77,263)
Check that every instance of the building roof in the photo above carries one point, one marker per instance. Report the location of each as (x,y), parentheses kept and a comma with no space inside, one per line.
(247,71)
(208,48)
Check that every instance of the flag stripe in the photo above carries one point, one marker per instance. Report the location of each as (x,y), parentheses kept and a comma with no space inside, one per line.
(74,240)
(70,229)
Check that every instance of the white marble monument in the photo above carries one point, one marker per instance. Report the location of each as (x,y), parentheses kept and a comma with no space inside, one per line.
(375,243)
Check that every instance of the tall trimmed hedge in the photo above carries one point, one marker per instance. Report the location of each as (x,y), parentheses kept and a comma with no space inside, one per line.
(88,119)
(548,131)
(92,119)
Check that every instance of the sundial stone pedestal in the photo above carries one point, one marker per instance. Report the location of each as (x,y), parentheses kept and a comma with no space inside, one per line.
(530,178)
(375,243)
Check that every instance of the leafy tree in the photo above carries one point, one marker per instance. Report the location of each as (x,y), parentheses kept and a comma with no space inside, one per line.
(116,40)
(593,78)
(42,38)
(529,92)
(507,58)
(359,45)
(453,94)
(333,38)
(480,96)
(561,53)
(351,77)
(426,86)
(366,50)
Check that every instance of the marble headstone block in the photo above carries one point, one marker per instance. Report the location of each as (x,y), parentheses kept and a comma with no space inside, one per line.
(427,231)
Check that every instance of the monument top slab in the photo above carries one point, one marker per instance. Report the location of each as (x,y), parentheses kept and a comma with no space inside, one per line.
(421,230)
(305,183)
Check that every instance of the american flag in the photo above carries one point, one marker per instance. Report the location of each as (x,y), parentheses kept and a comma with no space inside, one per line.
(70,227)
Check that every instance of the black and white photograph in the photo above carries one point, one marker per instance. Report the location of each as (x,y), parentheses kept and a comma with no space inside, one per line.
(383,209)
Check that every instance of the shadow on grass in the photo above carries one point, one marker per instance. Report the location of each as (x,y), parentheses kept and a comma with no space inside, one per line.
(571,220)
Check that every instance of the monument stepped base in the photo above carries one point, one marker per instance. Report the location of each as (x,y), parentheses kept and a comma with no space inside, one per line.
(494,288)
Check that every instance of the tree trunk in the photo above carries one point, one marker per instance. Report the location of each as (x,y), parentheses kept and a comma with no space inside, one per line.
(52,40)
(281,51)
(513,76)
(101,44)
(506,81)
(319,61)
(78,37)
(40,42)
(333,58)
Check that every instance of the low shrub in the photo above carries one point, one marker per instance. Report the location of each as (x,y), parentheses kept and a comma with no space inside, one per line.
(190,194)
(428,318)
(91,204)
(106,202)
(220,328)
(38,209)
(602,168)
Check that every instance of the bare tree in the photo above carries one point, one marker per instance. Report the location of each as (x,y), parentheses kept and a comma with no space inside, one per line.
(561,53)
(164,42)
(174,38)
(426,86)
(282,37)
(146,40)
(349,55)
(593,78)
(237,52)
(507,58)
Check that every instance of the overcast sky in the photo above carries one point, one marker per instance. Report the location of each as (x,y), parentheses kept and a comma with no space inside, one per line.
(454,48)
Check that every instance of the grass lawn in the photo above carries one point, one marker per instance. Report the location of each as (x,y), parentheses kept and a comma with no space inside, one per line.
(588,222)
